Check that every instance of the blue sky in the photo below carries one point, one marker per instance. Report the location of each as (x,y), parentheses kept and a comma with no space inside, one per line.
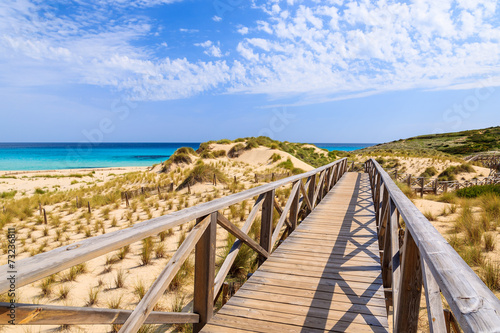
(186,70)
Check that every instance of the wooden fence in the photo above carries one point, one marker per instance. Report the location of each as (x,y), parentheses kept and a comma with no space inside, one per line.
(307,191)
(418,254)
(429,185)
(147,190)
(491,161)
(270,177)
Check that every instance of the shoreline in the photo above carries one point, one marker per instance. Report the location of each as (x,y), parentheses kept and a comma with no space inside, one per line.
(74,170)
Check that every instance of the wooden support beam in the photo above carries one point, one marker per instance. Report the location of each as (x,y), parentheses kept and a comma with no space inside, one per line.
(41,314)
(146,305)
(410,288)
(204,274)
(306,198)
(227,225)
(435,315)
(282,219)
(233,252)
(266,227)
(280,211)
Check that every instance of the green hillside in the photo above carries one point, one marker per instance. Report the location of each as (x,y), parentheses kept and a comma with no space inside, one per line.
(458,143)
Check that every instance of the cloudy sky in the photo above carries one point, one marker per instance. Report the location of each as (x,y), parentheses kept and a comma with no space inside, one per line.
(187,70)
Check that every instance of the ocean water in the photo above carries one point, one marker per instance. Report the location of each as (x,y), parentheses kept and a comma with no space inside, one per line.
(53,156)
(344,146)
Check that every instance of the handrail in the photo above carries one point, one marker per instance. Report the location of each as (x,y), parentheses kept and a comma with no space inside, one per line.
(425,256)
(203,237)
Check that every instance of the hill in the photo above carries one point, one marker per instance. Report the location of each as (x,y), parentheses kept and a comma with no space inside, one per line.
(456,143)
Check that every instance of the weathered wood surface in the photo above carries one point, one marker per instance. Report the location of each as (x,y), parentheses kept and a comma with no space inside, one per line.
(40,314)
(326,275)
(474,306)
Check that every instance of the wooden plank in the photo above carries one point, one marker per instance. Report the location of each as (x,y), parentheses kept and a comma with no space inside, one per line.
(145,306)
(41,314)
(227,225)
(317,279)
(204,274)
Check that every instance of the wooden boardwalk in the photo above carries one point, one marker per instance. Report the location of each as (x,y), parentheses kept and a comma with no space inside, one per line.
(325,277)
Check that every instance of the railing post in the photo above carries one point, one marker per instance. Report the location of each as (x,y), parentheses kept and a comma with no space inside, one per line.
(410,288)
(311,190)
(266,227)
(204,273)
(294,209)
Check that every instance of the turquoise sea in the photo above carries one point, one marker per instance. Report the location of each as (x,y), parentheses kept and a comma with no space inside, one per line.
(53,156)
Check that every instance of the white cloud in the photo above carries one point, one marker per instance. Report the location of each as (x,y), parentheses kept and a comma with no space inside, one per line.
(317,50)
(216,18)
(211,49)
(191,31)
(243,30)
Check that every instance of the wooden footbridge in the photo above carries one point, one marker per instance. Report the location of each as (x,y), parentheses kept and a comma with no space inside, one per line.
(347,252)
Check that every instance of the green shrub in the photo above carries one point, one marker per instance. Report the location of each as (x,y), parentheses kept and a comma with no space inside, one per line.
(180,158)
(288,164)
(275,157)
(219,153)
(7,195)
(429,172)
(252,143)
(479,190)
(236,150)
(203,173)
(185,150)
(39,191)
(207,154)
(224,141)
(450,172)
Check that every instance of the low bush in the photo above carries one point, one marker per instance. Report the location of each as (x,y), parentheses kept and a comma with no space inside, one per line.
(479,190)
(429,172)
(203,173)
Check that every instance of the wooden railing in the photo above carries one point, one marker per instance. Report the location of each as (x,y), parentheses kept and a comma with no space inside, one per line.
(431,185)
(417,254)
(307,191)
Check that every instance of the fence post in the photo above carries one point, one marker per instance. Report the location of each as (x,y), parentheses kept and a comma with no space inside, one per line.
(44,216)
(204,273)
(396,174)
(126,199)
(88,205)
(266,227)
(436,186)
(422,187)
(409,181)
